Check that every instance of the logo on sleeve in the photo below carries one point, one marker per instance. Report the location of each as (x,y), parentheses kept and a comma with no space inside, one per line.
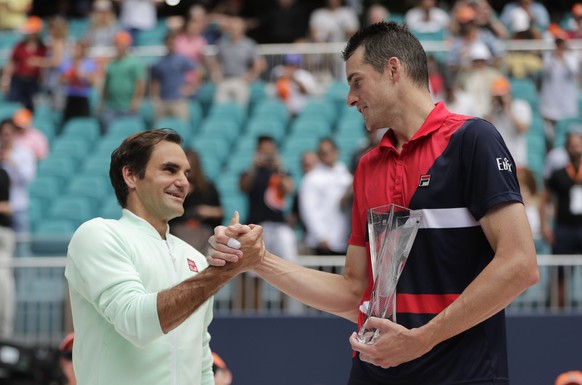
(424,180)
(503,164)
(192,265)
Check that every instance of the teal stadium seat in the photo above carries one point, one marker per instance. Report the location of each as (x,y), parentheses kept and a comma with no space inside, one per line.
(45,188)
(61,167)
(87,128)
(269,127)
(230,110)
(176,124)
(96,165)
(312,126)
(125,126)
(70,146)
(73,208)
(319,109)
(7,109)
(227,130)
(51,237)
(525,88)
(94,187)
(210,145)
(196,115)
(110,209)
(271,109)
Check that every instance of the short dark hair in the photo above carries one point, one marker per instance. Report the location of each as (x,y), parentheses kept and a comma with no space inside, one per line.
(264,138)
(135,152)
(384,40)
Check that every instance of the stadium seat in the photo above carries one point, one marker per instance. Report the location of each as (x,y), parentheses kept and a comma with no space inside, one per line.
(231,110)
(176,124)
(61,167)
(83,128)
(319,109)
(110,209)
(227,129)
(196,115)
(94,187)
(314,127)
(7,109)
(45,188)
(269,109)
(210,145)
(269,127)
(73,208)
(70,146)
(125,126)
(96,165)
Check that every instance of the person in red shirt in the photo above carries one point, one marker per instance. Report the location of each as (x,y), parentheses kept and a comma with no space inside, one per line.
(21,77)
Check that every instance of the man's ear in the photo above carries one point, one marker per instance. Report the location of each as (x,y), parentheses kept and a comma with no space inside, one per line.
(129,176)
(393,66)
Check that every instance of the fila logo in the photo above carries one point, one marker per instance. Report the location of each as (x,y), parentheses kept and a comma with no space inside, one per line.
(424,180)
(192,265)
(503,164)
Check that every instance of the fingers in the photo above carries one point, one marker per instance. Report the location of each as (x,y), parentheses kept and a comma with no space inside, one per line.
(235,218)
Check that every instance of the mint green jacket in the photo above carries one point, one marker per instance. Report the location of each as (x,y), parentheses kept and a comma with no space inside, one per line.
(115,269)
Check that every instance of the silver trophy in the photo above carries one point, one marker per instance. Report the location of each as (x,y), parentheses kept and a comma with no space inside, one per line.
(392,230)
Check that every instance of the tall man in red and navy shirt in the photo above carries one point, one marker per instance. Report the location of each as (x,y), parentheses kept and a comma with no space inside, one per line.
(473,255)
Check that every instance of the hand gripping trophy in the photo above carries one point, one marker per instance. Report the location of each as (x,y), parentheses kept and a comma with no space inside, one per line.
(392,230)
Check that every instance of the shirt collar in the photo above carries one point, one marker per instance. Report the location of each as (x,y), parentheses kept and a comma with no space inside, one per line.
(142,224)
(433,122)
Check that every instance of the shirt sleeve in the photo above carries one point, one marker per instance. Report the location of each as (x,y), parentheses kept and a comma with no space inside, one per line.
(100,269)
(489,170)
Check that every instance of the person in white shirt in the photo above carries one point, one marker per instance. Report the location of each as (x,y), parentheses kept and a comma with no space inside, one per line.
(426,17)
(294,85)
(321,207)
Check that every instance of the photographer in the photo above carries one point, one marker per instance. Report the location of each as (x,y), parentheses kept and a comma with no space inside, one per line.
(268,186)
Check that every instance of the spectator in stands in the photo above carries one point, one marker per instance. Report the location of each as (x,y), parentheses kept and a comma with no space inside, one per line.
(141,297)
(191,43)
(236,65)
(58,49)
(294,85)
(7,245)
(528,187)
(284,23)
(476,81)
(469,32)
(485,18)
(574,27)
(309,159)
(212,23)
(333,22)
(524,64)
(202,208)
(28,136)
(20,163)
(103,26)
(222,375)
(268,185)
(558,157)
(169,89)
(138,15)
(512,118)
(13,14)
(564,188)
(21,76)
(427,17)
(124,84)
(377,13)
(78,76)
(537,12)
(559,88)
(66,359)
(322,203)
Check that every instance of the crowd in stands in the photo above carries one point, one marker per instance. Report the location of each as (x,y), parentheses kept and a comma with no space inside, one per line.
(60,70)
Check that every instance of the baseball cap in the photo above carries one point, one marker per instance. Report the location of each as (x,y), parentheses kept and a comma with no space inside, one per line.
(66,346)
(519,20)
(500,86)
(573,377)
(293,59)
(22,117)
(33,24)
(124,38)
(465,13)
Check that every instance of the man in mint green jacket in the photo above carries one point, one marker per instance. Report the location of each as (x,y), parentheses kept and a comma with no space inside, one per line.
(142,298)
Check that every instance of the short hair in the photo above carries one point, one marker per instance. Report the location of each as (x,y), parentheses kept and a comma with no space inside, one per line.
(135,152)
(264,138)
(384,40)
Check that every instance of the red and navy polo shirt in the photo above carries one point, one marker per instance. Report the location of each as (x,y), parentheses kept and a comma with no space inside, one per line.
(454,169)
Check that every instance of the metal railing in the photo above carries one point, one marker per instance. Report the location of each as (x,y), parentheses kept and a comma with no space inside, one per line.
(42,314)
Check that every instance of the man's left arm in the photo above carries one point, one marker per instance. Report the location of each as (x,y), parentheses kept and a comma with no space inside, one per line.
(512,270)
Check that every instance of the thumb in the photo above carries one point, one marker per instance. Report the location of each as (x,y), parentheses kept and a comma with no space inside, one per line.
(235,218)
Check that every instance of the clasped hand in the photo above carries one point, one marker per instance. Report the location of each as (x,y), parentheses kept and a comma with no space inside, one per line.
(237,244)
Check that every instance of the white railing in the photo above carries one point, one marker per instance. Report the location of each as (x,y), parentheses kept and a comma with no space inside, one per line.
(43,316)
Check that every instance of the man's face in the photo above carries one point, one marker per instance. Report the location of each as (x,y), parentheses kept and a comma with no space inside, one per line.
(574,146)
(370,91)
(161,192)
